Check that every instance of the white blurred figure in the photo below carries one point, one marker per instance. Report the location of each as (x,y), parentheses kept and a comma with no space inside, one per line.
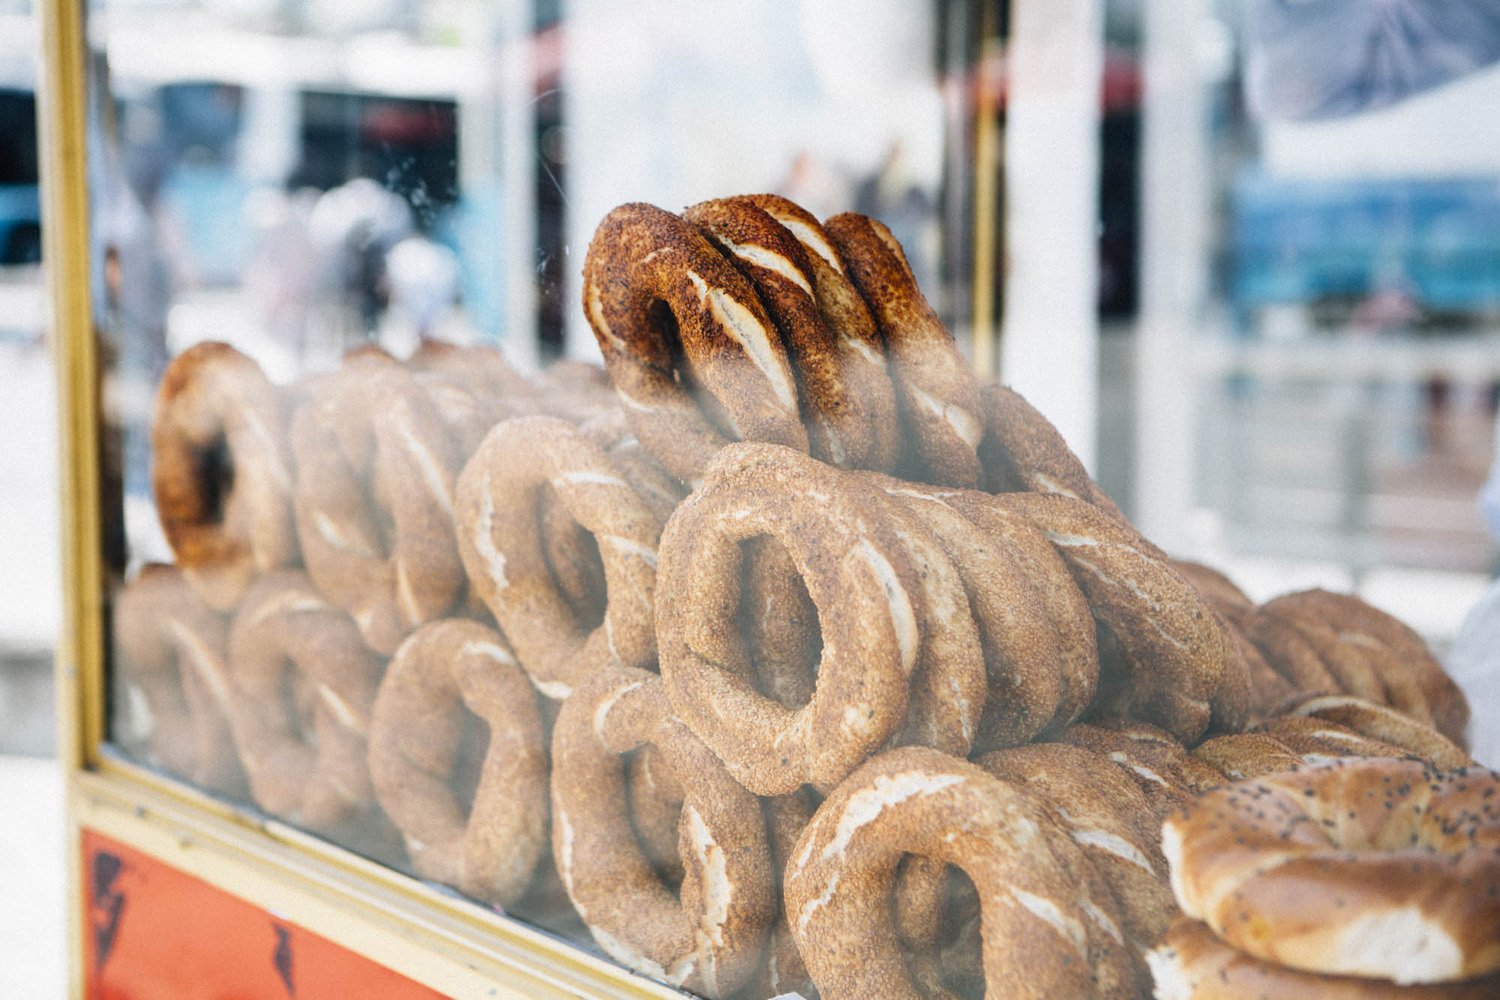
(424,279)
(352,227)
(1474,659)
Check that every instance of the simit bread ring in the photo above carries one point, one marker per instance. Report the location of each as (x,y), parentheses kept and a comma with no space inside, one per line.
(857,338)
(1381,868)
(1064,604)
(1023,448)
(1289,655)
(783,970)
(1193,964)
(938,398)
(1322,740)
(306,762)
(1021,646)
(654,289)
(1159,766)
(498,539)
(374,499)
(1248,755)
(708,938)
(838,426)
(1379,722)
(479,368)
(444,673)
(1351,664)
(1050,928)
(1413,678)
(1111,819)
(1268,689)
(1175,648)
(172,654)
(948,686)
(221,472)
(860,580)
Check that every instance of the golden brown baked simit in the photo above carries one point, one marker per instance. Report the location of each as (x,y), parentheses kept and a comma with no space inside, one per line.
(860,580)
(445,673)
(1193,964)
(857,339)
(938,399)
(304,682)
(656,291)
(221,472)
(374,499)
(496,506)
(709,936)
(1380,868)
(172,654)
(1050,926)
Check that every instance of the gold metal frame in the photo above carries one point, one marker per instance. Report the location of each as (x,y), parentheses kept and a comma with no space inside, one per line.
(440,940)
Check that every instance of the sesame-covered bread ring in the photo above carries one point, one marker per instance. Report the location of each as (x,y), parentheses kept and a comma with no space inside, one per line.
(1158,765)
(1109,817)
(1064,604)
(1322,739)
(501,549)
(857,338)
(1193,964)
(839,429)
(479,368)
(1021,645)
(1283,647)
(1022,448)
(308,763)
(172,652)
(860,580)
(443,672)
(1379,722)
(1414,680)
(1248,755)
(709,937)
(653,289)
(221,472)
(783,971)
(1050,925)
(938,398)
(1388,869)
(374,499)
(1267,688)
(1350,663)
(949,684)
(1175,648)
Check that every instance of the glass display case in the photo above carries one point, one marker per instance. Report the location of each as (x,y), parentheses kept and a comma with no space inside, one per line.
(543,517)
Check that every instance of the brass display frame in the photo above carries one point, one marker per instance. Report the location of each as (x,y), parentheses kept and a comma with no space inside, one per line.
(433,937)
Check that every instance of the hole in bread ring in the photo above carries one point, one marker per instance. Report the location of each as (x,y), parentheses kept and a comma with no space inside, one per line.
(221,472)
(374,499)
(1039,895)
(644,260)
(171,649)
(709,936)
(860,580)
(304,682)
(1388,869)
(502,551)
(444,673)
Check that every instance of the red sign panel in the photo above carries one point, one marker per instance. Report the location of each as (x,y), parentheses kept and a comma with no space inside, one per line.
(152,932)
